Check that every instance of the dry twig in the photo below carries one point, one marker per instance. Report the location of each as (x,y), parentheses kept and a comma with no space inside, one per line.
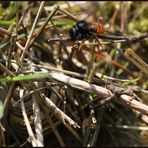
(132,39)
(32,138)
(4,31)
(45,23)
(82,85)
(136,60)
(38,123)
(32,30)
(60,114)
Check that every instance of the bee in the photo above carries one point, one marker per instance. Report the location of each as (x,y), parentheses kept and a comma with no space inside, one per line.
(84,30)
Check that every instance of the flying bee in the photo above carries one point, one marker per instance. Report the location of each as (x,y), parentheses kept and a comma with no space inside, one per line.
(83,30)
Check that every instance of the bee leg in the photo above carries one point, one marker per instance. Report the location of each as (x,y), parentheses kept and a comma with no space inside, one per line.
(98,41)
(81,45)
(79,48)
(74,48)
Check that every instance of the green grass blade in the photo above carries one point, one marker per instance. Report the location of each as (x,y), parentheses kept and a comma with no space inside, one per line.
(2,22)
(24,77)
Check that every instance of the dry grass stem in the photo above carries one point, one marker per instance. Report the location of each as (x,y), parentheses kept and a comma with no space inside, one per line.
(32,138)
(45,23)
(4,31)
(60,114)
(136,60)
(32,30)
(132,103)
(38,123)
(79,84)
(82,85)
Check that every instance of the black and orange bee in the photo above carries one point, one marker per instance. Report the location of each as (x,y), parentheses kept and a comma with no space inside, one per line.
(83,30)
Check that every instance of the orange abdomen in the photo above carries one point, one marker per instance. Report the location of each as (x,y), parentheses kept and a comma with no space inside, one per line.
(98,28)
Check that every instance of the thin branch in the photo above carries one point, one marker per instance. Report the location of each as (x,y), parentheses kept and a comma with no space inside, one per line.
(131,127)
(29,93)
(99,118)
(60,114)
(38,123)
(79,84)
(32,29)
(11,48)
(69,15)
(73,132)
(28,126)
(2,137)
(4,31)
(5,69)
(44,25)
(59,39)
(136,60)
(54,129)
(133,39)
(132,103)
